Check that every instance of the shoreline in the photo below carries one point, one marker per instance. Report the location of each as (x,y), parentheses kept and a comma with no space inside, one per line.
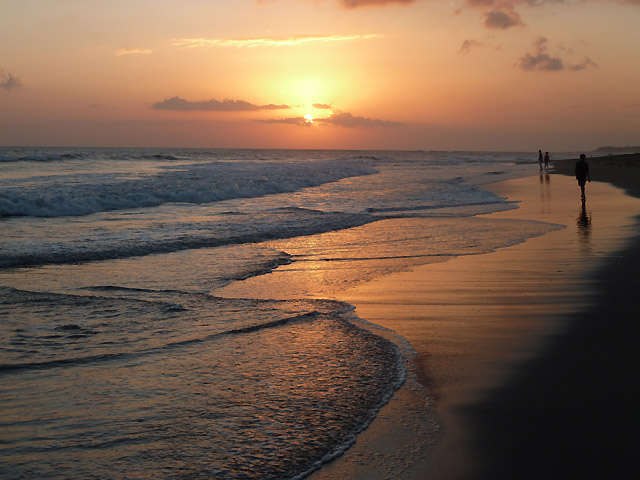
(474,322)
(470,379)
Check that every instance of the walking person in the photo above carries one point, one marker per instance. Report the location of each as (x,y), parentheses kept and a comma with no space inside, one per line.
(582,173)
(540,159)
(546,161)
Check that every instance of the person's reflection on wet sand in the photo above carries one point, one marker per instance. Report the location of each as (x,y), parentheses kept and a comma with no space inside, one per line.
(545,178)
(584,225)
(545,192)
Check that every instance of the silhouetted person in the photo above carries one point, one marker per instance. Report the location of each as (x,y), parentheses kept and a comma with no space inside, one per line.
(546,161)
(540,158)
(582,173)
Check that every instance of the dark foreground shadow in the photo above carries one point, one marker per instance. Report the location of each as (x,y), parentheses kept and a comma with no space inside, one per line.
(574,412)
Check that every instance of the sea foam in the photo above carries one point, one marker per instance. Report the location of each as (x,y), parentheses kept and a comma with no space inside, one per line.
(197,183)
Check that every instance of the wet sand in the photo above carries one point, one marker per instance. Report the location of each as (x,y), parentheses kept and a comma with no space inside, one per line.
(572,411)
(530,357)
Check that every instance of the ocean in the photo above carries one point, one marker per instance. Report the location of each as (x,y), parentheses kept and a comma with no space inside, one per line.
(133,343)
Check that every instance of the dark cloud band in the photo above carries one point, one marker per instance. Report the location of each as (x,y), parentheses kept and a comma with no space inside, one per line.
(340,119)
(182,105)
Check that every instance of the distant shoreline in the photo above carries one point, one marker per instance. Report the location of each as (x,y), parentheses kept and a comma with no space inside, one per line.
(617,150)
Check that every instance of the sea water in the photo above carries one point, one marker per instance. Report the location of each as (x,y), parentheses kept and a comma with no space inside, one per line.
(132,344)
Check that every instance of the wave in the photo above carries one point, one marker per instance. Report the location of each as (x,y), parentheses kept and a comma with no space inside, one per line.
(135,344)
(398,378)
(352,375)
(49,157)
(276,224)
(39,157)
(197,183)
(158,156)
(78,361)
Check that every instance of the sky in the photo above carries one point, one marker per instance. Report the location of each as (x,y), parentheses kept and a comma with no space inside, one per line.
(496,75)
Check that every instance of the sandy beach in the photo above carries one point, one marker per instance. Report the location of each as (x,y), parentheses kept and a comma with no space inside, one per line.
(530,351)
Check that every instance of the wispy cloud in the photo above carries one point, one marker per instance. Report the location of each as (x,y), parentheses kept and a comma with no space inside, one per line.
(467,45)
(587,62)
(541,60)
(480,3)
(131,51)
(512,3)
(8,81)
(349,4)
(182,105)
(298,121)
(369,3)
(344,119)
(287,41)
(322,106)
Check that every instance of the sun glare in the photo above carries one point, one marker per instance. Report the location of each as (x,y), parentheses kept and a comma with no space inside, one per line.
(308,118)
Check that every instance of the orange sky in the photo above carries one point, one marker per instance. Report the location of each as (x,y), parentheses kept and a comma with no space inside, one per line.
(394,74)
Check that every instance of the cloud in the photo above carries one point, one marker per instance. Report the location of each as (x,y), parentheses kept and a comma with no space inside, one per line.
(368,3)
(340,119)
(512,3)
(587,62)
(344,119)
(8,81)
(322,106)
(131,51)
(467,45)
(182,105)
(287,41)
(480,3)
(540,60)
(350,4)
(502,17)
(299,121)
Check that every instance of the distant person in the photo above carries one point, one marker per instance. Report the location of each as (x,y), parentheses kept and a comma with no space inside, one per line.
(582,173)
(546,161)
(540,158)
